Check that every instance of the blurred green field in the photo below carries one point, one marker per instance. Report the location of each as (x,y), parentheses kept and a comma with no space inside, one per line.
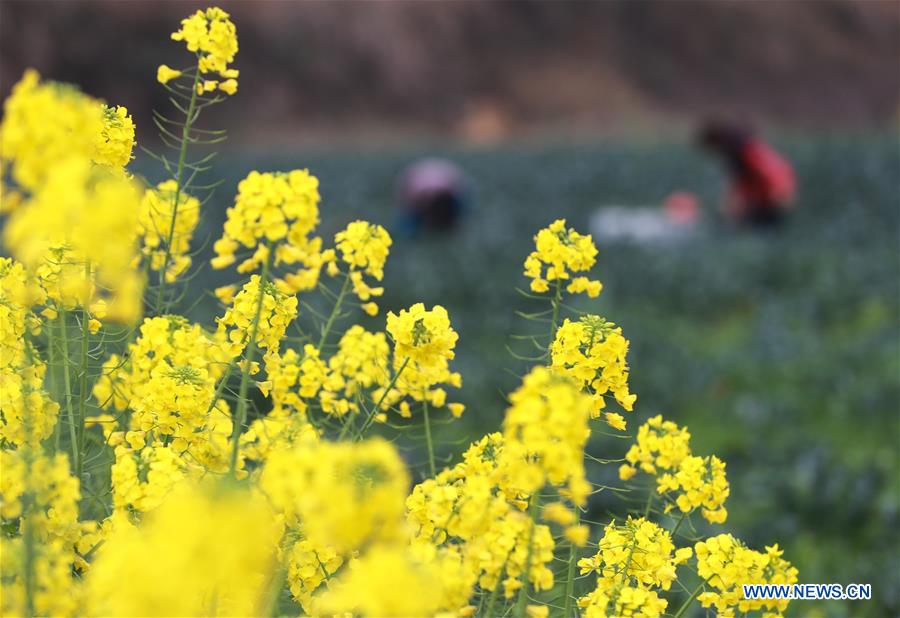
(779,351)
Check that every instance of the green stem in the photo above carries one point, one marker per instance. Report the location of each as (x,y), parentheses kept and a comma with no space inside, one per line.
(240,416)
(570,573)
(490,608)
(29,542)
(326,329)
(83,378)
(30,547)
(179,178)
(67,381)
(278,581)
(614,597)
(522,601)
(687,603)
(136,328)
(557,297)
(53,379)
(345,427)
(220,387)
(649,504)
(678,525)
(428,437)
(554,302)
(374,412)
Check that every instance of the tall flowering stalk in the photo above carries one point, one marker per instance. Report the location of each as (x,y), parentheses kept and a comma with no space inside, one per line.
(212,38)
(424,344)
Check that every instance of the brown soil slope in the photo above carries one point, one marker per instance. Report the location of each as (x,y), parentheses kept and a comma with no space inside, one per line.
(484,69)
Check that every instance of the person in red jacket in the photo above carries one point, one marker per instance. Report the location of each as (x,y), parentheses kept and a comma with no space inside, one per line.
(763,184)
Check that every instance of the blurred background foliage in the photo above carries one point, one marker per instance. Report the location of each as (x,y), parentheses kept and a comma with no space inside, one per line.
(779,351)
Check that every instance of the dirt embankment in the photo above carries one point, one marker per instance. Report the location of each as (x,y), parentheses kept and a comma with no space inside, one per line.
(483,69)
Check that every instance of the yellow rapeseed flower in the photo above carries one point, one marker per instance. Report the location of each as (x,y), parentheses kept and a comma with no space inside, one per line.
(195,556)
(211,35)
(560,252)
(46,123)
(156,221)
(545,430)
(277,310)
(92,212)
(275,212)
(593,352)
(29,414)
(687,482)
(165,74)
(424,344)
(40,498)
(727,564)
(344,495)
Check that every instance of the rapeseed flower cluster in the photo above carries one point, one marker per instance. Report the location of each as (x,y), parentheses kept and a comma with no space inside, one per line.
(335,385)
(343,509)
(344,496)
(660,446)
(293,378)
(545,431)
(424,344)
(593,352)
(46,123)
(472,510)
(636,560)
(166,467)
(726,564)
(390,581)
(363,248)
(361,360)
(260,306)
(176,426)
(275,212)
(74,224)
(662,449)
(699,482)
(219,558)
(143,475)
(607,601)
(211,35)
(116,141)
(158,217)
(638,551)
(560,252)
(170,356)
(65,213)
(40,502)
(308,567)
(27,413)
(279,429)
